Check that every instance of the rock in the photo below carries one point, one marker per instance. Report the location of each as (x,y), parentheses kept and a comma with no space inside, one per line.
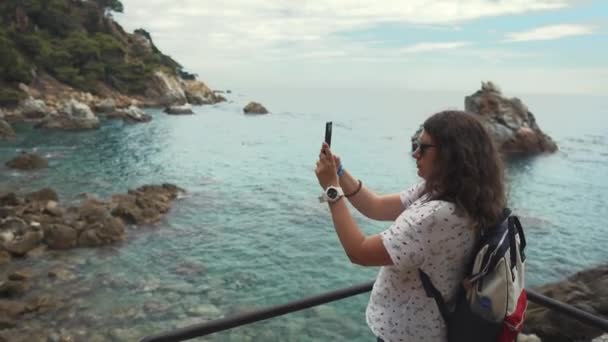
(52,208)
(509,121)
(27,161)
(21,275)
(24,243)
(12,308)
(12,288)
(145,204)
(6,323)
(206,311)
(14,224)
(183,109)
(101,233)
(586,290)
(6,130)
(9,199)
(131,114)
(166,90)
(33,109)
(92,211)
(198,93)
(72,115)
(42,195)
(60,236)
(254,108)
(62,274)
(105,106)
(5,257)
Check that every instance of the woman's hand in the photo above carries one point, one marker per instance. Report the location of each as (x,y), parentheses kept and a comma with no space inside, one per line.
(326,170)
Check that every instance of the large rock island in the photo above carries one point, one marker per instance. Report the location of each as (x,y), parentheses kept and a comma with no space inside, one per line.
(66,61)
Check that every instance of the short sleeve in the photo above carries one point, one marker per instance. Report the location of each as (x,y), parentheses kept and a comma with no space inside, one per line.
(410,195)
(411,237)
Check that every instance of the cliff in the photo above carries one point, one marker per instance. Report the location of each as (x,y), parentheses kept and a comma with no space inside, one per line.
(53,52)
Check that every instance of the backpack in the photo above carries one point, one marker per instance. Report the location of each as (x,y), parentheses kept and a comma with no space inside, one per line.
(491,302)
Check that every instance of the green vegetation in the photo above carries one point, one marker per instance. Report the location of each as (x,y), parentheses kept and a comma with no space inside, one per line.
(75,41)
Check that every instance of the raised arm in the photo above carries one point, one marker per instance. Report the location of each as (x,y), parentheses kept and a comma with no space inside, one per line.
(368,203)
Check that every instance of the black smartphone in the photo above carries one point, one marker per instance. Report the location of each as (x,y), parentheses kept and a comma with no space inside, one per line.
(328,133)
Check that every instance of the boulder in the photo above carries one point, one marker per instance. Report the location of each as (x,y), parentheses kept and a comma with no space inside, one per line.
(9,199)
(72,116)
(179,110)
(586,290)
(145,204)
(198,93)
(509,121)
(42,195)
(131,114)
(6,130)
(102,232)
(166,90)
(105,106)
(27,161)
(24,243)
(33,109)
(60,236)
(254,108)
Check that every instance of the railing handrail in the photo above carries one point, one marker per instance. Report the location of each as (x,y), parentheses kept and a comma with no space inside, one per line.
(244,318)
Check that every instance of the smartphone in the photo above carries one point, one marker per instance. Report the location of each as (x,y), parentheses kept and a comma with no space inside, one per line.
(328,133)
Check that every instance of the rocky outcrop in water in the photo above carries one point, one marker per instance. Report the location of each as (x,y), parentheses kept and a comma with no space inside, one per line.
(255,108)
(509,120)
(586,290)
(179,110)
(71,116)
(131,115)
(37,218)
(27,161)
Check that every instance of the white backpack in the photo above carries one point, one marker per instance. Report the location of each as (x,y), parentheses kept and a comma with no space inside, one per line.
(491,303)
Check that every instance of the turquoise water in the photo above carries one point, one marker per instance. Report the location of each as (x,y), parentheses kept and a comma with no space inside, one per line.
(250,231)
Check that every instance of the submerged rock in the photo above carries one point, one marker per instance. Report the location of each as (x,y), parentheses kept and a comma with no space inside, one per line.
(38,220)
(254,108)
(27,161)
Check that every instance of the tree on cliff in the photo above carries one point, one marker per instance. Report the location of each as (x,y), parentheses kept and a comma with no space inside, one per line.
(75,41)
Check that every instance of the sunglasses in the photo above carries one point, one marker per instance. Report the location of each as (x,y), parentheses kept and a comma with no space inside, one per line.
(418,146)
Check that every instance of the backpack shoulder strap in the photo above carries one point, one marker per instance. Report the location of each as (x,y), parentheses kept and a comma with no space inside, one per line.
(431,291)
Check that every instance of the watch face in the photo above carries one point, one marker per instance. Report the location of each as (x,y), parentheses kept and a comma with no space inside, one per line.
(332,193)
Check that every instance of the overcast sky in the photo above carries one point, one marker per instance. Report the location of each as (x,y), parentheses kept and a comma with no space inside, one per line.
(526,46)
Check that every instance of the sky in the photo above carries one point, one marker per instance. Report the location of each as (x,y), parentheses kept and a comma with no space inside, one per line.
(531,46)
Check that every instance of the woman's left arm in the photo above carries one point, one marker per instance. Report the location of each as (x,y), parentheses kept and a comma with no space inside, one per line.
(360,249)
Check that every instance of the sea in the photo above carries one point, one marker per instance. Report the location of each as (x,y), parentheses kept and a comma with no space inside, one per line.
(250,233)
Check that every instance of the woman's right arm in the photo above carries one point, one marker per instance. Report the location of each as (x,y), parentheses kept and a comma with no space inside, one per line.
(375,207)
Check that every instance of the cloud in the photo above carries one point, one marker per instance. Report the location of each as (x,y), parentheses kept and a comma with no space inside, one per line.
(428,47)
(550,33)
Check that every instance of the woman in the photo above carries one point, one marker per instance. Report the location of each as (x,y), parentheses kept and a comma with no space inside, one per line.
(435,223)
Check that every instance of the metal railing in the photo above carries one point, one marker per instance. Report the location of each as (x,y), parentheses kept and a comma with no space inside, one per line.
(222,324)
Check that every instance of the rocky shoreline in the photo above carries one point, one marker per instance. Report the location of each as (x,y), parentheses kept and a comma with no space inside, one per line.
(34,224)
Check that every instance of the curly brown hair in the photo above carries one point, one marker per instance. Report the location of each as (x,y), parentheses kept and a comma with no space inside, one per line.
(469,170)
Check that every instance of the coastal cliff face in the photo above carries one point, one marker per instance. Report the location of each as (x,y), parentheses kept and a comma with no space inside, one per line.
(62,54)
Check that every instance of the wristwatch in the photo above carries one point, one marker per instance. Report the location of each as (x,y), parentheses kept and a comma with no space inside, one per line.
(331,194)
